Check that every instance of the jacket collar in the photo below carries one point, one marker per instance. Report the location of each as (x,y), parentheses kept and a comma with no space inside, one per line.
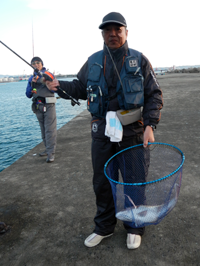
(42,70)
(117,53)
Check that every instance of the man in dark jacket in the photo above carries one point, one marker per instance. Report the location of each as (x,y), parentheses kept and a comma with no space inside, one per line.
(113,79)
(44,108)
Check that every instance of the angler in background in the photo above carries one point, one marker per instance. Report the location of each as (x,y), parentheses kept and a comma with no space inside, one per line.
(44,108)
(116,78)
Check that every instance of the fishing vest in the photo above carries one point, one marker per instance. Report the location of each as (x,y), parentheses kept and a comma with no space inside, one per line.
(130,94)
(41,90)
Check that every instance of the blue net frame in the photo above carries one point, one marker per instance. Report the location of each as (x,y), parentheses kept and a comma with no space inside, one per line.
(145,182)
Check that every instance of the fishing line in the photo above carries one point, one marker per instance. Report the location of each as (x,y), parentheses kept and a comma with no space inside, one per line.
(114,65)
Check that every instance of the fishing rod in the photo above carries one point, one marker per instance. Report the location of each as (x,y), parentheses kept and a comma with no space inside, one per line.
(17,54)
(47,75)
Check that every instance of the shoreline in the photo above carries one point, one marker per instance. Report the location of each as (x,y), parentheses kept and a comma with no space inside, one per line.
(57,76)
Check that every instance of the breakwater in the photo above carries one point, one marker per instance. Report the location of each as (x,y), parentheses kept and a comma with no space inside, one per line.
(51,207)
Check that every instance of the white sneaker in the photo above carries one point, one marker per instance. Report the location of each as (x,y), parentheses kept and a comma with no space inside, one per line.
(133,241)
(94,239)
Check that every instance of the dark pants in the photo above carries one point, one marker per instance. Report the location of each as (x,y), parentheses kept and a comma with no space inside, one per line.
(105,220)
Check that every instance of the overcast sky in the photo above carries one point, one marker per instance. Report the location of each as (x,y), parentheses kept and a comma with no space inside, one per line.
(65,32)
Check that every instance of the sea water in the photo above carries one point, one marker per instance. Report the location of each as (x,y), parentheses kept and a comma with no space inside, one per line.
(19,127)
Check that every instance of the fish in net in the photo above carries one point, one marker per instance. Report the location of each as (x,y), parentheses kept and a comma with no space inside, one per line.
(145,182)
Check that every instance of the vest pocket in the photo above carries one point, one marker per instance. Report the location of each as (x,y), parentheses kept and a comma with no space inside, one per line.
(95,72)
(133,91)
(95,101)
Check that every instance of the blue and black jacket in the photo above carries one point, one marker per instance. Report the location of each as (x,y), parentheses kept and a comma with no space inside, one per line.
(41,89)
(152,94)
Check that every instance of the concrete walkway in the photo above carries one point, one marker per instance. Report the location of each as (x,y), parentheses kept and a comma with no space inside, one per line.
(50,207)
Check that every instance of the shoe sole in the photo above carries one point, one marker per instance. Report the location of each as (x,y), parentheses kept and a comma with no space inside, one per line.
(135,247)
(94,245)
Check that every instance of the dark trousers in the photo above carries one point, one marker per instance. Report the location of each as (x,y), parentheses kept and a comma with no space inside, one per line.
(105,220)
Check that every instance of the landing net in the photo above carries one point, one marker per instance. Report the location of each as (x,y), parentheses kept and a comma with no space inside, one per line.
(145,182)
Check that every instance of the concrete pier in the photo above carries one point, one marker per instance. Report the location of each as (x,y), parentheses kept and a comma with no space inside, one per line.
(50,207)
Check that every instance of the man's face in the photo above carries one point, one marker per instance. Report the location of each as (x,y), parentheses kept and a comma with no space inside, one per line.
(37,64)
(114,35)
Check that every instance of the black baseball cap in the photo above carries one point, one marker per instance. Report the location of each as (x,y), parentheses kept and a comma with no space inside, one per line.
(113,17)
(36,58)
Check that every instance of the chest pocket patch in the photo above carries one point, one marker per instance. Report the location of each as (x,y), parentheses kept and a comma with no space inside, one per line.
(131,64)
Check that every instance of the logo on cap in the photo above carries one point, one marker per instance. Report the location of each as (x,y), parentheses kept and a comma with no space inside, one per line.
(133,63)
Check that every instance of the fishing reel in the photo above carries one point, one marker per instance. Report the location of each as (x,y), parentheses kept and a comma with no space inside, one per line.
(47,75)
(50,77)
